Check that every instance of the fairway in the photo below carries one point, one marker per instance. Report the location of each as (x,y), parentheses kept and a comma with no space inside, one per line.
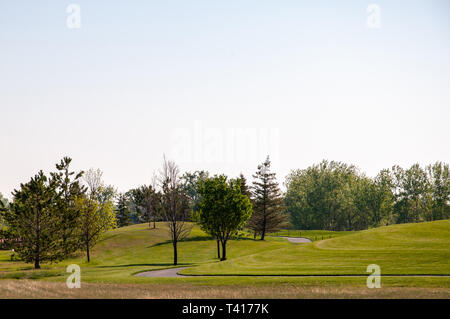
(407,249)
(263,267)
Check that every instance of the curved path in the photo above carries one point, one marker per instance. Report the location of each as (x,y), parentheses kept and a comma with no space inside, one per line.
(171,272)
(298,239)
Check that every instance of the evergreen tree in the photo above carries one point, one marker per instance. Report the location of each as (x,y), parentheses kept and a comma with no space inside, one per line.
(68,189)
(33,221)
(123,213)
(244,188)
(268,215)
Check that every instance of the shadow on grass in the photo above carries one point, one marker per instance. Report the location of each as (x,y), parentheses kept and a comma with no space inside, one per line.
(197,238)
(147,265)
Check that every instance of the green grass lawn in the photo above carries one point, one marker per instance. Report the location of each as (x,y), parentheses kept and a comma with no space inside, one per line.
(422,248)
(313,235)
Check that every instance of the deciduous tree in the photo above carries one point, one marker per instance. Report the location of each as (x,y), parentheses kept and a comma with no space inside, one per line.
(174,205)
(95,219)
(223,208)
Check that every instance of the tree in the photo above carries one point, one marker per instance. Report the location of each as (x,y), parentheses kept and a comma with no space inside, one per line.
(95,219)
(253,222)
(146,203)
(335,196)
(439,181)
(123,213)
(223,208)
(68,189)
(412,190)
(323,197)
(174,205)
(4,205)
(268,215)
(33,220)
(3,201)
(191,183)
(94,181)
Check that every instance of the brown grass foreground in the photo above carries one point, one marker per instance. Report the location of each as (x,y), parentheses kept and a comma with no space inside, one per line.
(40,289)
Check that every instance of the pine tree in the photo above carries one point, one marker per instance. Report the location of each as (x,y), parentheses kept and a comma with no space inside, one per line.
(268,215)
(69,187)
(123,213)
(244,188)
(33,221)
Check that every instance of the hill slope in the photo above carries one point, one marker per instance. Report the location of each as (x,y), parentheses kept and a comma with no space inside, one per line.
(422,249)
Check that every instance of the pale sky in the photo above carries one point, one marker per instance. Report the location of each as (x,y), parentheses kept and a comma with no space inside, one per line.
(217,85)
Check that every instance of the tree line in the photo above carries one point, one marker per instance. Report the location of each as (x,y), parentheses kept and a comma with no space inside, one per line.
(53,217)
(336,196)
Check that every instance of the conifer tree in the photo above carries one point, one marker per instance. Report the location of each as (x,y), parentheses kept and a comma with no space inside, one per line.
(268,211)
(68,189)
(123,213)
(33,221)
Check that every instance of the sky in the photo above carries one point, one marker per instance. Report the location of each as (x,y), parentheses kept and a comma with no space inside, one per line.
(219,85)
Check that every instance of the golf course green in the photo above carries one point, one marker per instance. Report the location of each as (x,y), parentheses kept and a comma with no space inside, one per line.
(413,256)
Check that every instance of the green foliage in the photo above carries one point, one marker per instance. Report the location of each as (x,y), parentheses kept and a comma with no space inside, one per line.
(335,196)
(190,182)
(439,179)
(4,206)
(95,219)
(68,188)
(224,210)
(123,213)
(145,201)
(34,222)
(268,209)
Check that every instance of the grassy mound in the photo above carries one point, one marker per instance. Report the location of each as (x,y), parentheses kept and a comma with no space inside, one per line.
(422,248)
(407,249)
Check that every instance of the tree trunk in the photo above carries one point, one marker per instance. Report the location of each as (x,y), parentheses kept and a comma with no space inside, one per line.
(224,250)
(154,223)
(175,253)
(218,249)
(263,233)
(87,252)
(36,263)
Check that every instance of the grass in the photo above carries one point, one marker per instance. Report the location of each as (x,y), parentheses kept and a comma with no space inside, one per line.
(33,289)
(399,249)
(313,235)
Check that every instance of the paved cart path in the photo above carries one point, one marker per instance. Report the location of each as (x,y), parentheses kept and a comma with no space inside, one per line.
(298,239)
